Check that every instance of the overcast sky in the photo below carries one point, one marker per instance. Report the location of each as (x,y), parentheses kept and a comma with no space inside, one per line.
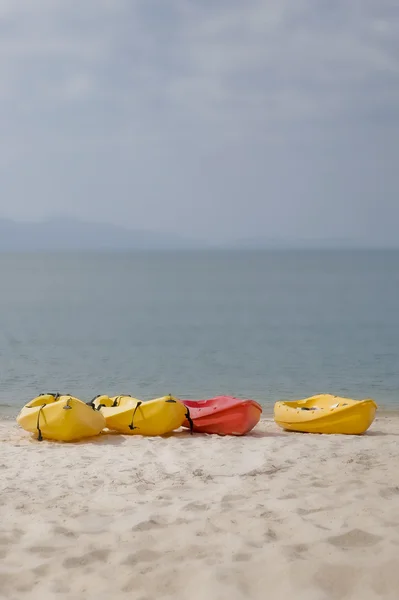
(216,118)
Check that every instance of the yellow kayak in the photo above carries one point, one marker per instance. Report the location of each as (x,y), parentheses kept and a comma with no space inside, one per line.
(134,417)
(326,414)
(62,418)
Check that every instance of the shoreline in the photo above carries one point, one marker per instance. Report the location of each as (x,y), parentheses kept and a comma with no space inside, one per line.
(10,426)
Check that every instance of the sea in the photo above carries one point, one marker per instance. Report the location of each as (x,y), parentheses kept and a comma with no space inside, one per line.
(266,325)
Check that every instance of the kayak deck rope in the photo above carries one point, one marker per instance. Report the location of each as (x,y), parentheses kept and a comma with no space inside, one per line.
(187,415)
(39,432)
(117,400)
(91,403)
(56,397)
(131,426)
(190,421)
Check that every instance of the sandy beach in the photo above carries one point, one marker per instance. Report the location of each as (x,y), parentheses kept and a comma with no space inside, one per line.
(269,515)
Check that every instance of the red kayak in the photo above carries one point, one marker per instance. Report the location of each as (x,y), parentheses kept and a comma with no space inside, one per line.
(223,415)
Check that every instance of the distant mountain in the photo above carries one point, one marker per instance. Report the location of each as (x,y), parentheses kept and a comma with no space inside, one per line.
(259,243)
(68,234)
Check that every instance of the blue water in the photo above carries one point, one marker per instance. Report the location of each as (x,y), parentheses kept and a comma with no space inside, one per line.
(266,325)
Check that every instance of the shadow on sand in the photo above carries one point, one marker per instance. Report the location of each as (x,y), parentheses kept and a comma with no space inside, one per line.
(380,433)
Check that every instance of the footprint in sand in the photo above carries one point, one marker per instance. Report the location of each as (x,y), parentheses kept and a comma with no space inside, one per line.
(229,500)
(148,525)
(233,497)
(141,556)
(270,535)
(322,527)
(64,531)
(241,557)
(255,544)
(288,497)
(297,551)
(303,512)
(356,538)
(318,483)
(389,492)
(204,476)
(41,570)
(86,559)
(195,506)
(45,551)
(6,539)
(267,514)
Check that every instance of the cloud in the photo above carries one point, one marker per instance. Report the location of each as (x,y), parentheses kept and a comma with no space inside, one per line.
(218,115)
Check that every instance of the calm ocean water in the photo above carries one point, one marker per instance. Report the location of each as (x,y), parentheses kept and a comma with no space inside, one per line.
(266,325)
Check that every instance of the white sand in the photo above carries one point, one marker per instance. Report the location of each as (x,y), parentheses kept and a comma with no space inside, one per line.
(272,515)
